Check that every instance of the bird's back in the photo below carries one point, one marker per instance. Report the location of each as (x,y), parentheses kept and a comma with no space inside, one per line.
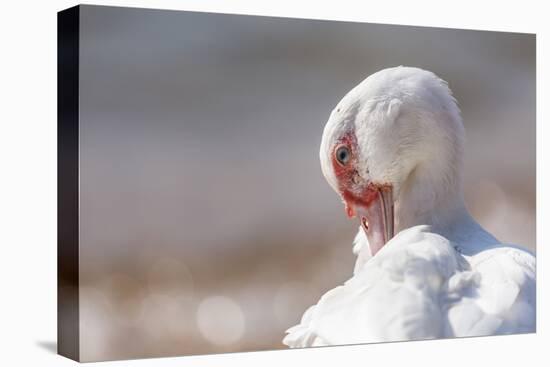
(420,287)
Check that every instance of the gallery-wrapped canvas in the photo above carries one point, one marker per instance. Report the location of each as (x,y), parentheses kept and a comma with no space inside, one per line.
(231,183)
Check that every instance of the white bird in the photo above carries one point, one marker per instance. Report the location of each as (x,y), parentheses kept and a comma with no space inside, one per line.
(393,150)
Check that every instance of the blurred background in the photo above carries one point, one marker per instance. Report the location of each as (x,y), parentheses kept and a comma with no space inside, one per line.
(206,225)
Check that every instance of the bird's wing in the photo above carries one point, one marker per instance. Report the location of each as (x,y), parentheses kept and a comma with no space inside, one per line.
(394,296)
(419,287)
(501,300)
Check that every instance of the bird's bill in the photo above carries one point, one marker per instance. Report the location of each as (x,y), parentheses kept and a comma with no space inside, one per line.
(377,218)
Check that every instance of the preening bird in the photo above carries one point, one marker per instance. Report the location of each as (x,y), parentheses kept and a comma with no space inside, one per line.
(393,150)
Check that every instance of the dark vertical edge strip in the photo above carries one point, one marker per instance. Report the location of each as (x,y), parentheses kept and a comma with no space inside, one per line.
(537,286)
(68,35)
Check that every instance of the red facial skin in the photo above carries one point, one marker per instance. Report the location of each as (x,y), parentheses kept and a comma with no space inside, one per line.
(352,193)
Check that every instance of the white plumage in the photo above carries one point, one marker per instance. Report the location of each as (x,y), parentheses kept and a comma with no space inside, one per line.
(442,275)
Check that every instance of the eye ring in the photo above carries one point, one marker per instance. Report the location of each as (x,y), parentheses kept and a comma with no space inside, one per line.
(343,155)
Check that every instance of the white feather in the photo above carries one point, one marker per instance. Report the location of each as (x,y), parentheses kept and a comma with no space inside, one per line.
(420,287)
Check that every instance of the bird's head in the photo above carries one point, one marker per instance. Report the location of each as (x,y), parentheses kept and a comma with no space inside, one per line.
(392,140)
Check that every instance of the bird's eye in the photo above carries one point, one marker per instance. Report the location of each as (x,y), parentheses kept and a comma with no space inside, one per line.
(343,155)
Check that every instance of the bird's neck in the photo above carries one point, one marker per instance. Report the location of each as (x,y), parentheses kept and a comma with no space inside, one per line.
(427,198)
